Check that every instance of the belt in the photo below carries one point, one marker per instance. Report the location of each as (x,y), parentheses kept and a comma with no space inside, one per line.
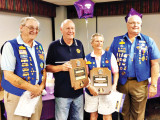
(131,78)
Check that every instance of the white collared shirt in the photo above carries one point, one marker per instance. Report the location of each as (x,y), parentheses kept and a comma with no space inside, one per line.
(8,61)
(114,66)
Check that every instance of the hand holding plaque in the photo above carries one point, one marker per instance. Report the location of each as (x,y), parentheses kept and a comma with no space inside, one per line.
(101,80)
(78,74)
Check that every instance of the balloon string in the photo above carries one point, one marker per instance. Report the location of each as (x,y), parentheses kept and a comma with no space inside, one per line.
(87,32)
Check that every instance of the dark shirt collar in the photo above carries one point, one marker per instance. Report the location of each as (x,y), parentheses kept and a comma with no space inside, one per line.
(73,44)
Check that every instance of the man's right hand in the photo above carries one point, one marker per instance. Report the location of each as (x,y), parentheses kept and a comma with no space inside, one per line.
(92,90)
(36,91)
(66,66)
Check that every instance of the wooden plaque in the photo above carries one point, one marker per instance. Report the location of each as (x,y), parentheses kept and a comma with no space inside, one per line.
(101,80)
(78,74)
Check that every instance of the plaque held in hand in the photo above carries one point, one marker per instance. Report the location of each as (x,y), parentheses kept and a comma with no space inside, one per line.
(78,74)
(101,80)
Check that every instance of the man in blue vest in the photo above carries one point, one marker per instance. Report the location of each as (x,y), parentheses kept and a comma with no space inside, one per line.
(23,69)
(137,56)
(60,52)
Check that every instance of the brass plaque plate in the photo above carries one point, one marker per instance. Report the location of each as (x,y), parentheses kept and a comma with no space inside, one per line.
(78,74)
(101,80)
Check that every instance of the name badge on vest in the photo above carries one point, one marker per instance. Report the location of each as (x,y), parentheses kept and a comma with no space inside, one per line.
(22,52)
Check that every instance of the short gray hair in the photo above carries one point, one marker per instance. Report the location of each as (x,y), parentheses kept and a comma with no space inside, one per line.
(65,21)
(94,35)
(134,15)
(25,19)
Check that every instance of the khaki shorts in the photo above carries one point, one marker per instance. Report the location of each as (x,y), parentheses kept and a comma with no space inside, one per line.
(11,101)
(102,104)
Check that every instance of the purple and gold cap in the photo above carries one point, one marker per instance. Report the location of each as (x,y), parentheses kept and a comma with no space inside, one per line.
(131,13)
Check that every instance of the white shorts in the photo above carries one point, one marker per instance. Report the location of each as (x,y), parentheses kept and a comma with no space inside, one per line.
(102,104)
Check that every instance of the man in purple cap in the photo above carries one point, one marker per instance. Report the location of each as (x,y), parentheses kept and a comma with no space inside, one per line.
(137,56)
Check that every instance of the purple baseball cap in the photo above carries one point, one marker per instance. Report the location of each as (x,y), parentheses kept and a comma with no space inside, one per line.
(131,13)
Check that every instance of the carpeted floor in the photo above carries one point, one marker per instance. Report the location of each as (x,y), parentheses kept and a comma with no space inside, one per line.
(153,109)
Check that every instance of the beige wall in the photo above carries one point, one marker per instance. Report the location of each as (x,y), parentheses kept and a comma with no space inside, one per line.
(109,26)
(61,15)
(112,26)
(82,28)
(9,28)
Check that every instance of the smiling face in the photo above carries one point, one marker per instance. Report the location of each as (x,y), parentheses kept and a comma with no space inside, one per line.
(97,43)
(134,25)
(30,30)
(68,30)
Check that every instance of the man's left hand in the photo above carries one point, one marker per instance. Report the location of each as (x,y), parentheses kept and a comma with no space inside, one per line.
(114,87)
(152,91)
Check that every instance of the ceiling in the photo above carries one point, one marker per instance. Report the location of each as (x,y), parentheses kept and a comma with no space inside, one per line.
(71,2)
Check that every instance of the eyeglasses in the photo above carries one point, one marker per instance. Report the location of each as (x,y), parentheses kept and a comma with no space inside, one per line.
(31,28)
(134,23)
(98,41)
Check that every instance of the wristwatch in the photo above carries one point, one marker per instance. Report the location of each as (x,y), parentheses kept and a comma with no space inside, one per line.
(155,86)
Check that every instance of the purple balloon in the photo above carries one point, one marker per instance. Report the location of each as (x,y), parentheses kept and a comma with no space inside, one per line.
(84,8)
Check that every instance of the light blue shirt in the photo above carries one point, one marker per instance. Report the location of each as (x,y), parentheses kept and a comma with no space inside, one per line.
(131,63)
(131,48)
(142,52)
(8,60)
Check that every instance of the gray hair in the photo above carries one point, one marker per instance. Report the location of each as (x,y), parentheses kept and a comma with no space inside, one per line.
(135,15)
(94,35)
(25,19)
(65,21)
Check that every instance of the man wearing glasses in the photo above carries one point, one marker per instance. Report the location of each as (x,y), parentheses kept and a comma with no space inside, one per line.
(23,69)
(137,56)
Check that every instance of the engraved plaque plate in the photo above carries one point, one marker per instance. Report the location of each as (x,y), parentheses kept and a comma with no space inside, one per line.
(101,80)
(78,74)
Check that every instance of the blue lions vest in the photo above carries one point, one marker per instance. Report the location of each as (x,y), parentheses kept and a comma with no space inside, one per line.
(105,62)
(142,58)
(25,67)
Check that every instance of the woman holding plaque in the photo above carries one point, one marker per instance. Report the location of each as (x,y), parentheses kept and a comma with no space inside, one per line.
(94,102)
